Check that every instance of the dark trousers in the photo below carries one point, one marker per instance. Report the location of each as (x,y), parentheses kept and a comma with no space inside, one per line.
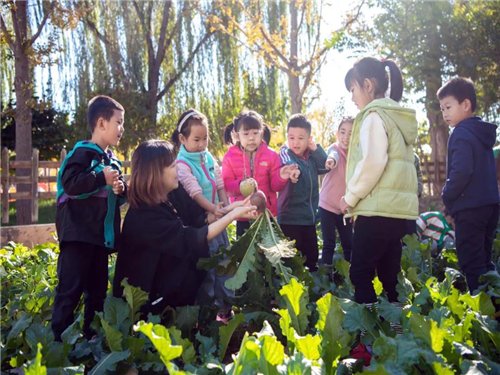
(376,250)
(329,222)
(306,242)
(82,268)
(475,231)
(241,227)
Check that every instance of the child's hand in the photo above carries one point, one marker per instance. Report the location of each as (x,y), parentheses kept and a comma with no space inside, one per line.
(330,163)
(118,186)
(288,170)
(220,210)
(110,175)
(344,207)
(312,145)
(294,176)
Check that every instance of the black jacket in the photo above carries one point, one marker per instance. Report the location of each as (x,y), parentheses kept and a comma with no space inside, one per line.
(160,247)
(82,220)
(471,175)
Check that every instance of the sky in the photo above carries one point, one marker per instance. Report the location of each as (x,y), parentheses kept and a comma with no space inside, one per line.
(331,76)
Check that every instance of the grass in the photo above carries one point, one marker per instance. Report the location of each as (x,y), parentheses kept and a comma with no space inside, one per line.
(46,212)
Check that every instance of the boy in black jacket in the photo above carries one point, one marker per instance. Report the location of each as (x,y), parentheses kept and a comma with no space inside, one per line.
(90,189)
(470,193)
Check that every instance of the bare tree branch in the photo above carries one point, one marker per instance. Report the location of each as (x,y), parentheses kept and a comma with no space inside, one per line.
(145,28)
(94,29)
(274,48)
(162,45)
(179,72)
(42,24)
(348,24)
(6,32)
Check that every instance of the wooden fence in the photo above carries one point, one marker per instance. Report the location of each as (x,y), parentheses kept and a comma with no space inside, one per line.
(433,178)
(43,178)
(44,174)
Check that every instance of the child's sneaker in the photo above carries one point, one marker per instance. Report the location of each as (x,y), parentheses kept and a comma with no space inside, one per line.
(224,316)
(361,351)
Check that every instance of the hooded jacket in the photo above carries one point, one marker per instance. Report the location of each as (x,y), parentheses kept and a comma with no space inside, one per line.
(388,188)
(471,175)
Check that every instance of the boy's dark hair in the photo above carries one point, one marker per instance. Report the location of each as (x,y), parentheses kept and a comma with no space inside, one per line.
(374,69)
(146,185)
(101,106)
(460,88)
(248,120)
(186,120)
(298,120)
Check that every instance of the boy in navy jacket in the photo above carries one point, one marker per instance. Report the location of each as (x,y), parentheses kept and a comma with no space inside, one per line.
(90,189)
(298,201)
(470,193)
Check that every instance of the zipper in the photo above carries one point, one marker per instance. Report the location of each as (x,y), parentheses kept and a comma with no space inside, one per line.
(310,195)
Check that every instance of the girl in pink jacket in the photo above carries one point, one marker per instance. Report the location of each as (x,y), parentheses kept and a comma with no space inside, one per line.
(332,190)
(250,157)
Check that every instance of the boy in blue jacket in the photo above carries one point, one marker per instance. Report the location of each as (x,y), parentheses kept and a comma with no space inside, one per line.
(470,193)
(298,201)
(90,188)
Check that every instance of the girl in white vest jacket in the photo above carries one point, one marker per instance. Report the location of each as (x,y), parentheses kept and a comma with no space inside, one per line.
(381,191)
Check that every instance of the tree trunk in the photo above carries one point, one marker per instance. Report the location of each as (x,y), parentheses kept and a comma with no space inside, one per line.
(23,114)
(437,128)
(293,78)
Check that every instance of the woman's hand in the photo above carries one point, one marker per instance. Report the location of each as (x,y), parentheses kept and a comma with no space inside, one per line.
(245,212)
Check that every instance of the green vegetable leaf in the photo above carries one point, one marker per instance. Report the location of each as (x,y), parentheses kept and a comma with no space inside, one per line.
(19,326)
(247,360)
(286,327)
(36,367)
(309,345)
(109,362)
(116,311)
(160,338)
(188,352)
(428,330)
(296,297)
(113,336)
(335,340)
(245,250)
(480,303)
(359,318)
(226,332)
(135,298)
(377,285)
(272,350)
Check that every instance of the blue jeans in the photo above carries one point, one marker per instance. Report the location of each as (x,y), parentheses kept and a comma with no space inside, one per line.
(329,222)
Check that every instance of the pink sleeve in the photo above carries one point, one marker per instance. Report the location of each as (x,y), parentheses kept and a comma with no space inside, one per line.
(187,179)
(231,181)
(277,183)
(219,182)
